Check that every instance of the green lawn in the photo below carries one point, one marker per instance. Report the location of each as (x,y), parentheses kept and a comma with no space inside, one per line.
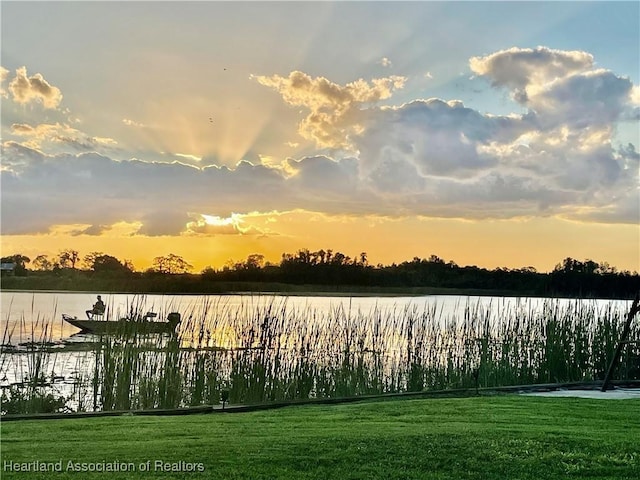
(497,437)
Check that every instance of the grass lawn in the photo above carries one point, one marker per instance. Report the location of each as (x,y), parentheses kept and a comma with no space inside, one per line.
(501,437)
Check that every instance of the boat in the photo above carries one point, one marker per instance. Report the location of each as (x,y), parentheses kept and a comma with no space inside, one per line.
(138,324)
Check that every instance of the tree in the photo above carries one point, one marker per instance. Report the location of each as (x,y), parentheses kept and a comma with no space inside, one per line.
(339,259)
(254,261)
(208,271)
(90,258)
(170,264)
(42,262)
(68,258)
(605,268)
(20,262)
(109,264)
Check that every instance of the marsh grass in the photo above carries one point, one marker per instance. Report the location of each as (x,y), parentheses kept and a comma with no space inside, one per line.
(35,374)
(268,351)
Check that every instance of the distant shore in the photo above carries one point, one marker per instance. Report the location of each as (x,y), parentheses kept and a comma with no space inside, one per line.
(306,290)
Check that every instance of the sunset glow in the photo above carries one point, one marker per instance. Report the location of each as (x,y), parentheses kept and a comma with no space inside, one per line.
(490,134)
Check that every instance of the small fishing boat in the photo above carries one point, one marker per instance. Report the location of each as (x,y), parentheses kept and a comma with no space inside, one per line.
(137,324)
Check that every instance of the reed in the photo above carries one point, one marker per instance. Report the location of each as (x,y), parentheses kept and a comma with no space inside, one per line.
(268,351)
(34,372)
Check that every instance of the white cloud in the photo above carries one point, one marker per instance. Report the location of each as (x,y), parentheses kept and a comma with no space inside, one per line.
(132,123)
(385,62)
(212,225)
(59,136)
(432,157)
(520,68)
(634,95)
(560,87)
(333,108)
(4,74)
(189,156)
(25,89)
(587,98)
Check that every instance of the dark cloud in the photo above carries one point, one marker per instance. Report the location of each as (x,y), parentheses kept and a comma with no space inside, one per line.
(89,188)
(161,222)
(439,138)
(325,175)
(94,230)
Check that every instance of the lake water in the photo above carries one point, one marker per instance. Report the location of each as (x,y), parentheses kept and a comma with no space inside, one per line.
(36,316)
(384,337)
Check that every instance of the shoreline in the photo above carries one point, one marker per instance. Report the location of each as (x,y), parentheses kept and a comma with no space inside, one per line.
(301,291)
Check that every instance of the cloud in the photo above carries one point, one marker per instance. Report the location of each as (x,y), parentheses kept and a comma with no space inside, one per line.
(4,74)
(23,129)
(560,87)
(333,108)
(634,95)
(132,123)
(95,230)
(324,177)
(189,156)
(88,188)
(426,157)
(25,89)
(213,225)
(519,68)
(164,220)
(588,98)
(436,137)
(319,93)
(385,62)
(58,137)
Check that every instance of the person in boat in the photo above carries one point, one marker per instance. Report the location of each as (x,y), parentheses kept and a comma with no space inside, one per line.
(98,308)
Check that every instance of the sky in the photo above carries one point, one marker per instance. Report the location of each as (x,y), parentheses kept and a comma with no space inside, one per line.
(497,134)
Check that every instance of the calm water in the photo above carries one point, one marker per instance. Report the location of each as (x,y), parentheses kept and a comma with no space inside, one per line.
(224,320)
(35,316)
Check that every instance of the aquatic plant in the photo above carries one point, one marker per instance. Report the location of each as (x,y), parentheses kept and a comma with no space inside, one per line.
(264,351)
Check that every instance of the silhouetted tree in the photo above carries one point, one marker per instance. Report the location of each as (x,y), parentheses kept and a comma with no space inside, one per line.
(20,262)
(42,262)
(104,264)
(90,258)
(68,258)
(171,263)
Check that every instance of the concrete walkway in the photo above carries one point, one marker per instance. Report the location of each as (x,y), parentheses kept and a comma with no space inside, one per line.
(615,393)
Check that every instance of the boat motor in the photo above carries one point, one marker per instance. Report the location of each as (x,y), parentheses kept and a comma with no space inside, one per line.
(173,318)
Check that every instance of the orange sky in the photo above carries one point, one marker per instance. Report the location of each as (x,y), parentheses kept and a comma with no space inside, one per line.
(541,243)
(215,130)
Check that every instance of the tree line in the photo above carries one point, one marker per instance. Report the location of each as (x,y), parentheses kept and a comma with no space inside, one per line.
(570,277)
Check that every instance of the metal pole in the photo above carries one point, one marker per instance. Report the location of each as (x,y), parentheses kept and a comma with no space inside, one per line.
(635,308)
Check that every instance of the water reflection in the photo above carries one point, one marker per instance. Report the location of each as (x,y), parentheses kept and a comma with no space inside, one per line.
(266,348)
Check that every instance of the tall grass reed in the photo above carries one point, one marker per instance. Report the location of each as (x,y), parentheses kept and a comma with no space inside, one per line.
(268,351)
